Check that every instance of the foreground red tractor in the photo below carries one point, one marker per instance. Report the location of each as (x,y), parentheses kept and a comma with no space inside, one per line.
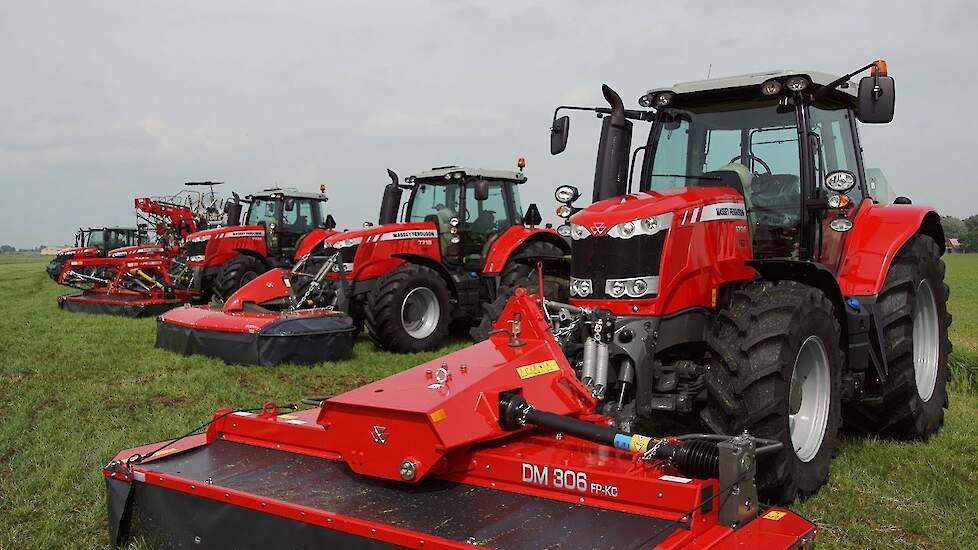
(463,241)
(751,281)
(277,223)
(97,243)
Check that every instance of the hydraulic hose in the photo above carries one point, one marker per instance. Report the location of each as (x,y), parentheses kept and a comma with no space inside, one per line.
(695,458)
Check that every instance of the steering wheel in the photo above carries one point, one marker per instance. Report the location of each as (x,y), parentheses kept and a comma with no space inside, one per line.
(751,156)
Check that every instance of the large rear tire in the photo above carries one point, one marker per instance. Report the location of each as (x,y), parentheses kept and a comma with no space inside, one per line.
(409,311)
(913,308)
(518,274)
(235,273)
(775,372)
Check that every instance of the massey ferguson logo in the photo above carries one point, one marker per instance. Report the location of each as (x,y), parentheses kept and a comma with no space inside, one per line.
(379,433)
(598,228)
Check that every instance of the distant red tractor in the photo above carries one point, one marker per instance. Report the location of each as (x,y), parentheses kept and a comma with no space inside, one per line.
(97,243)
(752,280)
(463,241)
(278,223)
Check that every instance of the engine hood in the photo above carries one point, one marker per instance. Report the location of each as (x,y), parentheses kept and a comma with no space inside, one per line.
(228,231)
(136,250)
(609,212)
(382,232)
(76,250)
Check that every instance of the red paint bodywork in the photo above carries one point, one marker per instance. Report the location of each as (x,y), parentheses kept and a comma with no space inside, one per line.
(443,415)
(698,256)
(510,240)
(879,230)
(224,243)
(377,251)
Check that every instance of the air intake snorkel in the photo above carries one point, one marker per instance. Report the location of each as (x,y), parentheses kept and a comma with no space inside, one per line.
(611,170)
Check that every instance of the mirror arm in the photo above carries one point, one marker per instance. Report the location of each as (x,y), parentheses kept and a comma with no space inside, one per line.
(629,113)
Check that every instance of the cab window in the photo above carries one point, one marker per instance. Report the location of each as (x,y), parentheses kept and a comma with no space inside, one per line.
(837,149)
(490,215)
(439,203)
(263,211)
(301,218)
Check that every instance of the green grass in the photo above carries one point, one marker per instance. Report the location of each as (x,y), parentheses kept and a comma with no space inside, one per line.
(77,388)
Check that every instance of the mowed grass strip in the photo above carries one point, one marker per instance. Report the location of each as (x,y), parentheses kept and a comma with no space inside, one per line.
(78,388)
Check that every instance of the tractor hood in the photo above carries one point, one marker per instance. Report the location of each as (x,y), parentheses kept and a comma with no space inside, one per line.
(139,250)
(390,231)
(601,216)
(76,250)
(228,231)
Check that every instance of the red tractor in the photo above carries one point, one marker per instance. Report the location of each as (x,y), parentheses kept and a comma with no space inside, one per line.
(98,243)
(751,281)
(221,260)
(463,241)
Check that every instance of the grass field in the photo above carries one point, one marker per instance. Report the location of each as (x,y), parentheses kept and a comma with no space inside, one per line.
(78,388)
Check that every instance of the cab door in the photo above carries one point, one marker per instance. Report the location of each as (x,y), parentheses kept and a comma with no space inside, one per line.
(836,149)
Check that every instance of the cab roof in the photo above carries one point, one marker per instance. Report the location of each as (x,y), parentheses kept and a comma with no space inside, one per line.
(287,193)
(756,79)
(441,172)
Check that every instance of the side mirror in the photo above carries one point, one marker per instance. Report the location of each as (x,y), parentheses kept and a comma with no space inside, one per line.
(558,135)
(329,222)
(876,99)
(289,205)
(902,200)
(532,217)
(481,190)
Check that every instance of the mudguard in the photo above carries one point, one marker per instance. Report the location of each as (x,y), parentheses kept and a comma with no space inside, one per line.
(878,233)
(310,240)
(513,238)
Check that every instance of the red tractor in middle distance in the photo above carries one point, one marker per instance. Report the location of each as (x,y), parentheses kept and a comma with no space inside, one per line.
(464,239)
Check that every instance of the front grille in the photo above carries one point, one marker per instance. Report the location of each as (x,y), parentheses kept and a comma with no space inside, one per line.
(196,248)
(603,258)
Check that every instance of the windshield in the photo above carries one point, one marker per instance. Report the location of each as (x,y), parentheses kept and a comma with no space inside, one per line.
(263,210)
(750,140)
(438,203)
(115,239)
(96,238)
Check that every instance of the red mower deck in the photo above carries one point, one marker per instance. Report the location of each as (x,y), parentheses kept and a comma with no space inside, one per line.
(448,454)
(122,303)
(257,336)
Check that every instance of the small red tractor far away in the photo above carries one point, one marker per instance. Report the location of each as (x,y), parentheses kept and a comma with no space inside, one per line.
(464,240)
(278,222)
(97,243)
(752,281)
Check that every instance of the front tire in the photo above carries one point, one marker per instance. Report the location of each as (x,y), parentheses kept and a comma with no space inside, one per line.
(409,311)
(235,273)
(775,372)
(913,312)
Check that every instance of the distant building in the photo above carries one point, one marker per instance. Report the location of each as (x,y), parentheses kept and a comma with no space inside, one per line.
(50,250)
(954,246)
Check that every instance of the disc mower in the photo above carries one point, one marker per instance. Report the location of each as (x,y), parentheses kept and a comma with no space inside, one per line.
(750,280)
(463,241)
(97,243)
(497,445)
(277,223)
(127,286)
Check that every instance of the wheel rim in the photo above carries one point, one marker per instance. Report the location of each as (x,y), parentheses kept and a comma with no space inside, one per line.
(926,340)
(809,398)
(420,312)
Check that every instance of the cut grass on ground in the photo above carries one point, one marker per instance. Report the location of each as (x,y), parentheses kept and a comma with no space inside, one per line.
(78,388)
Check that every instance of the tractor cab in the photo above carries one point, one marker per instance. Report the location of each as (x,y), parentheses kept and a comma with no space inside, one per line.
(470,207)
(286,215)
(109,238)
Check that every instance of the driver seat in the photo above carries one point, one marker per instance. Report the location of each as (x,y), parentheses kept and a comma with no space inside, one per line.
(740,181)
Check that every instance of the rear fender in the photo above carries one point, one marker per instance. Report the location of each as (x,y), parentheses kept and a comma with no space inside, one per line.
(271,285)
(514,238)
(430,262)
(878,233)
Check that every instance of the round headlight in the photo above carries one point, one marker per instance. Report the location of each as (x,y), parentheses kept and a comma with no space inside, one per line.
(627,228)
(839,201)
(564,230)
(272,226)
(564,211)
(584,288)
(617,289)
(840,181)
(796,83)
(566,193)
(841,224)
(639,286)
(453,222)
(771,87)
(579,232)
(456,239)
(645,100)
(663,99)
(650,224)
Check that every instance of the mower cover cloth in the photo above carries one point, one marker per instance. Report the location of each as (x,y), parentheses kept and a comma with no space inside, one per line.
(263,340)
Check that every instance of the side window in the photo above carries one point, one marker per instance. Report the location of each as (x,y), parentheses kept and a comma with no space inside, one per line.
(838,151)
(489,215)
(671,154)
(300,218)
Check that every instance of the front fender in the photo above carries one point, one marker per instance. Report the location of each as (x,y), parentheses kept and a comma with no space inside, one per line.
(513,238)
(310,240)
(878,233)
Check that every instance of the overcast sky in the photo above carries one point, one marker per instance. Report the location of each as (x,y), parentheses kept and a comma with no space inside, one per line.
(101,102)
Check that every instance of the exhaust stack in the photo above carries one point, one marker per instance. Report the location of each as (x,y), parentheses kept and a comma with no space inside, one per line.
(391,201)
(611,170)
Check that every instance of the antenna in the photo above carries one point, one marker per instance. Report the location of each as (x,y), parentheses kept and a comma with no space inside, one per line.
(709,70)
